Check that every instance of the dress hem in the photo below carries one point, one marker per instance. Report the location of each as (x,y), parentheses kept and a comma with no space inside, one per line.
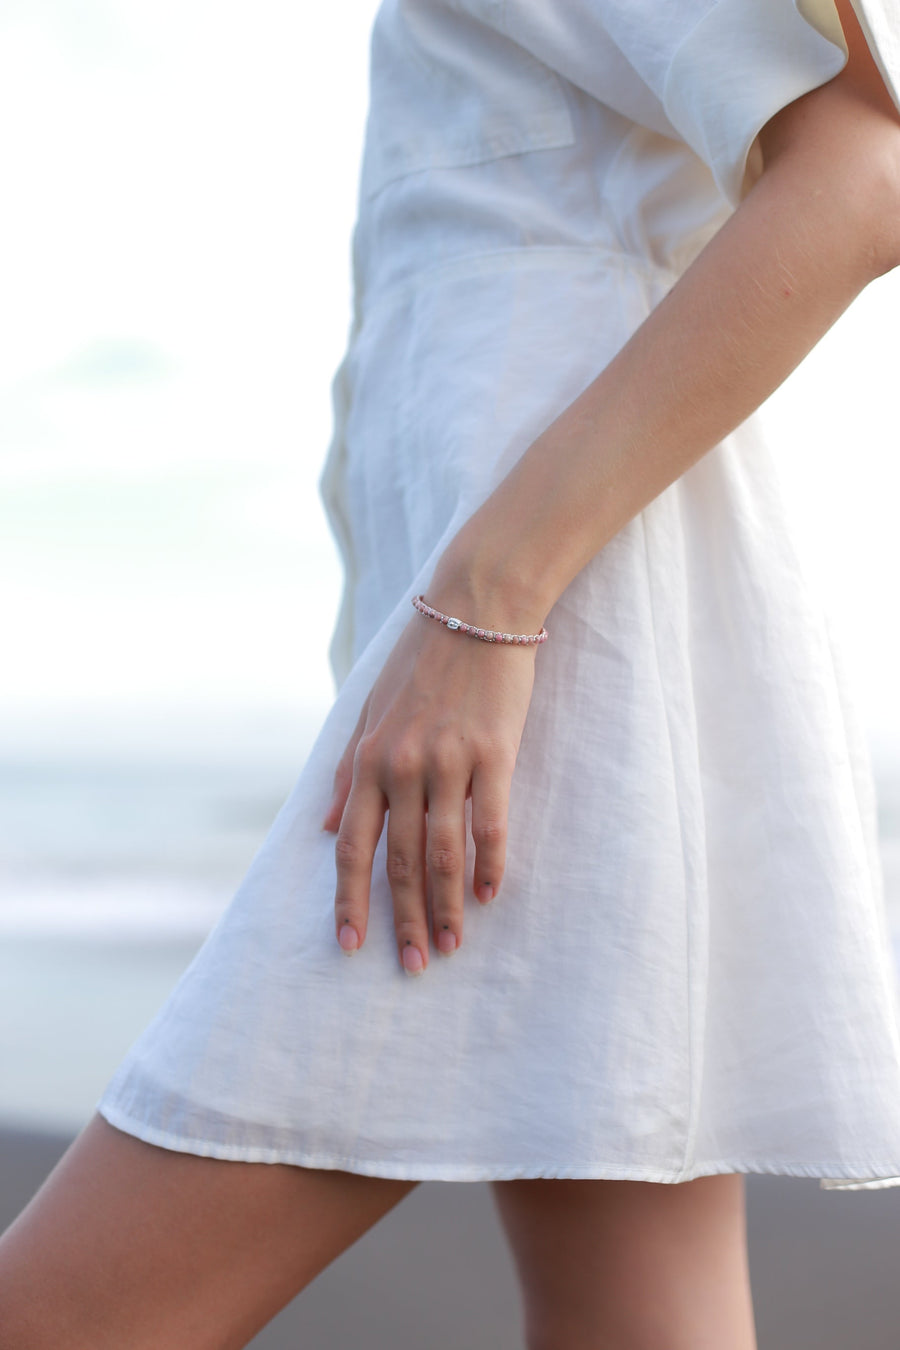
(474,1172)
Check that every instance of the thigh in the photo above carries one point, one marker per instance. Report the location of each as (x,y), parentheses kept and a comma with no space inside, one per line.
(128,1244)
(631,1265)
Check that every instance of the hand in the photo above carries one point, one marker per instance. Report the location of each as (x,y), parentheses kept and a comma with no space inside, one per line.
(442,722)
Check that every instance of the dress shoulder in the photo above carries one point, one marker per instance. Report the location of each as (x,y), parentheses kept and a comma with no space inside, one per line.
(710,72)
(745,60)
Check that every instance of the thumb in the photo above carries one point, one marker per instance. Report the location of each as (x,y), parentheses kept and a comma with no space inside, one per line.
(343,775)
(343,780)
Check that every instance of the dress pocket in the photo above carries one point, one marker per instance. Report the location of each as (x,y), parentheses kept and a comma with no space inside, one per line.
(448,88)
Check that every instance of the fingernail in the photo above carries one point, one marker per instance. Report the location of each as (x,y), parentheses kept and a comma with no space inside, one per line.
(486,893)
(412,960)
(447,943)
(348,938)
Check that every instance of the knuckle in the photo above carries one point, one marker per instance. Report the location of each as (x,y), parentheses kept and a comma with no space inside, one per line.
(366,756)
(490,831)
(401,866)
(500,755)
(347,852)
(445,754)
(408,929)
(404,762)
(445,862)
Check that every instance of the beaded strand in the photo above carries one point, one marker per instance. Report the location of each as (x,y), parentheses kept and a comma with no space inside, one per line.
(486,634)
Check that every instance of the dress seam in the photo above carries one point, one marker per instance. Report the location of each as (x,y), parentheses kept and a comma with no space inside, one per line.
(693,1076)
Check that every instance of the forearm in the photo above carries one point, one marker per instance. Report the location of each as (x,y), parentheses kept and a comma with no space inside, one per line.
(755,301)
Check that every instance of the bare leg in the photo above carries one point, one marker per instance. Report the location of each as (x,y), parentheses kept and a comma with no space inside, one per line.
(631,1265)
(128,1244)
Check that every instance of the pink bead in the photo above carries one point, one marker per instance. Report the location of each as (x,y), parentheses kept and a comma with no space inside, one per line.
(485,634)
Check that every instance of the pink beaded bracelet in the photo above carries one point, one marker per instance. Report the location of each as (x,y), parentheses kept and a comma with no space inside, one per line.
(486,634)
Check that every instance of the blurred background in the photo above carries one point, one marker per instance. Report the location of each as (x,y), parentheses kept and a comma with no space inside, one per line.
(180,188)
(179,185)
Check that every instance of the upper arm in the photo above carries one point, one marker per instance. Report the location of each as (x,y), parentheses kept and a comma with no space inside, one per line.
(851,117)
(844,137)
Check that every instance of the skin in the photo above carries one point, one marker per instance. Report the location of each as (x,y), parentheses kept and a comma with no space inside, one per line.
(128,1244)
(631,1265)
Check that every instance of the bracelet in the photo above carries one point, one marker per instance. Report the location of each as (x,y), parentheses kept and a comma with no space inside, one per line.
(486,634)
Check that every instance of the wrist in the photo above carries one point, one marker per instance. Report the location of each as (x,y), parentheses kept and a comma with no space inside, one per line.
(486,588)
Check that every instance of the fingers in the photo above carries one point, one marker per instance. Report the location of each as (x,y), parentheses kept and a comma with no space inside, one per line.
(445,855)
(343,779)
(354,850)
(490,808)
(424,794)
(405,869)
(343,774)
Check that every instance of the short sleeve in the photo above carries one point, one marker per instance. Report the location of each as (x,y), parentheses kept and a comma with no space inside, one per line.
(741,61)
(709,72)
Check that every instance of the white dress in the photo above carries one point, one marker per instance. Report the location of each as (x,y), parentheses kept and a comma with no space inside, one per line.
(687,968)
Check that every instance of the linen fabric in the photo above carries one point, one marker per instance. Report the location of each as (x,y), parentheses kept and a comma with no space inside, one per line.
(687,969)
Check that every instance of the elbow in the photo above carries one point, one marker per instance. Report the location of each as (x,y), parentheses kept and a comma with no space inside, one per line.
(851,197)
(882,218)
(837,154)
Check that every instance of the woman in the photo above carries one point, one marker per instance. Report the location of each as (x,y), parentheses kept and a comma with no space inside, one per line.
(685,974)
